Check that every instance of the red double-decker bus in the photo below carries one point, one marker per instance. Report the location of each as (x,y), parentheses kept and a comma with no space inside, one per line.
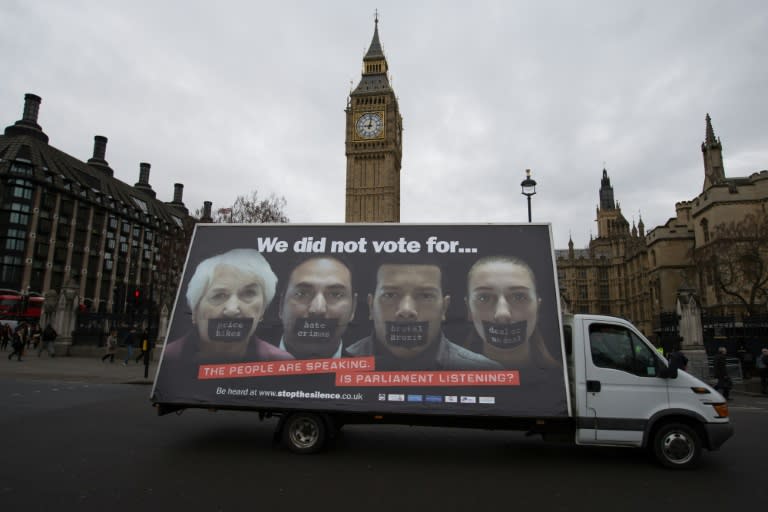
(15,306)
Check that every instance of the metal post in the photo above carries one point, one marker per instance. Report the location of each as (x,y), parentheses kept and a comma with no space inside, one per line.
(529,209)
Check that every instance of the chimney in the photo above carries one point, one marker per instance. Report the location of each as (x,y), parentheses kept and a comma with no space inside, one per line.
(144,173)
(31,109)
(178,192)
(143,183)
(99,147)
(99,152)
(27,125)
(206,217)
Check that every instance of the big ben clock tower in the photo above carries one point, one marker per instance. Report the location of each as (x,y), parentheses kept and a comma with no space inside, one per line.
(374,145)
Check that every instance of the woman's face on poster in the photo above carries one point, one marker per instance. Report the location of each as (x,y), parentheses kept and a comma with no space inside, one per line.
(502,293)
(231,307)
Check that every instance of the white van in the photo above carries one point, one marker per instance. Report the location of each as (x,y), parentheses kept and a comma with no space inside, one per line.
(624,394)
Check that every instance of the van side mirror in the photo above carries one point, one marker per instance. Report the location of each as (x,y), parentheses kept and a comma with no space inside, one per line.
(668,372)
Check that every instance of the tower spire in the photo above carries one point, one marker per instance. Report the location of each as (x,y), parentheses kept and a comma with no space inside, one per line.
(374,50)
(375,67)
(712,151)
(710,135)
(606,192)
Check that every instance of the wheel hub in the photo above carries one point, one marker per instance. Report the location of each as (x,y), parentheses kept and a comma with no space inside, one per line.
(304,433)
(678,448)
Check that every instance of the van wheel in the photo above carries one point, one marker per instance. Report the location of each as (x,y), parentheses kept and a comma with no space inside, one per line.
(304,432)
(677,445)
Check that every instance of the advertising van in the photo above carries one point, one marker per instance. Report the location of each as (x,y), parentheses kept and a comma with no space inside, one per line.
(441,325)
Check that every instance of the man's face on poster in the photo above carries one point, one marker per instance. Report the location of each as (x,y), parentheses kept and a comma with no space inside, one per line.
(317,307)
(230,309)
(502,293)
(408,308)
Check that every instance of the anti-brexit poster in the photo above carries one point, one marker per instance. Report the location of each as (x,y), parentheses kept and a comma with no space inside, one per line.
(399,318)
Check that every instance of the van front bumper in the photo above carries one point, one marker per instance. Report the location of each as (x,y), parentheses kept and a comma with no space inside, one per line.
(718,433)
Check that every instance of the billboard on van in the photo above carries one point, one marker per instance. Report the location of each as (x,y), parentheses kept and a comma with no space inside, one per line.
(400,318)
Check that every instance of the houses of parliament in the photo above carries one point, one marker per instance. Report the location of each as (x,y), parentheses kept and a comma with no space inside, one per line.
(62,218)
(625,271)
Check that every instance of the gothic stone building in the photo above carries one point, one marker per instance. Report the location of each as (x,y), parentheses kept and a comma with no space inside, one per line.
(66,221)
(628,273)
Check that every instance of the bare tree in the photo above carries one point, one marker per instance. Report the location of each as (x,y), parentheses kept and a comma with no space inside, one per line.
(249,209)
(736,257)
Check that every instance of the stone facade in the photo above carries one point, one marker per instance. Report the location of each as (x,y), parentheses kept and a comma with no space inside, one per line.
(640,276)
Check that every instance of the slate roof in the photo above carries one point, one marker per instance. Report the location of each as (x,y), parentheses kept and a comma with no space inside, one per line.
(90,182)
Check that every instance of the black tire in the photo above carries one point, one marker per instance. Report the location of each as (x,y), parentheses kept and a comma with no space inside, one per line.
(304,432)
(677,445)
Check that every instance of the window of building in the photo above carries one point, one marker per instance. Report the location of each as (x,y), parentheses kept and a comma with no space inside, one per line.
(98,223)
(21,192)
(41,250)
(21,169)
(15,239)
(60,255)
(83,213)
(141,204)
(705,229)
(10,270)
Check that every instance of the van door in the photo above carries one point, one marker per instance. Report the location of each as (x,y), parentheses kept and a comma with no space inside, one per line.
(623,386)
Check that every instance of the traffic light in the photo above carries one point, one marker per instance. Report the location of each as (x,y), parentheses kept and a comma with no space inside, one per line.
(137,297)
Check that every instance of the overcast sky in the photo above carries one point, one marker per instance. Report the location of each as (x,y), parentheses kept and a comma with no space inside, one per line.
(231,96)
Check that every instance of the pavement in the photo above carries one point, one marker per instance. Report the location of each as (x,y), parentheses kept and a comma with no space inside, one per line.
(76,368)
(91,369)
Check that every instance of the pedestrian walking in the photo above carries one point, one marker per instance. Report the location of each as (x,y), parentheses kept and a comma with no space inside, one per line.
(130,342)
(5,336)
(724,383)
(17,344)
(35,333)
(47,341)
(143,347)
(678,360)
(762,368)
(111,347)
(23,330)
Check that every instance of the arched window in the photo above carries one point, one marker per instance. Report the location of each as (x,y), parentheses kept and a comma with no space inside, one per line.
(705,229)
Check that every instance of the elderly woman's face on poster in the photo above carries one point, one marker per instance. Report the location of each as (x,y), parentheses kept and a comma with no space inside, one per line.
(230,308)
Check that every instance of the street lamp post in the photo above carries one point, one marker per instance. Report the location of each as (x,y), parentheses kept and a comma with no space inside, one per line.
(528,186)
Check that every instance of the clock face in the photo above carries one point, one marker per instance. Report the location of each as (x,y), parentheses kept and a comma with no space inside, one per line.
(369,125)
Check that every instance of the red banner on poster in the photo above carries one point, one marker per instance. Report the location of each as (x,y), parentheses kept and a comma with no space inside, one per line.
(292,367)
(427,378)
